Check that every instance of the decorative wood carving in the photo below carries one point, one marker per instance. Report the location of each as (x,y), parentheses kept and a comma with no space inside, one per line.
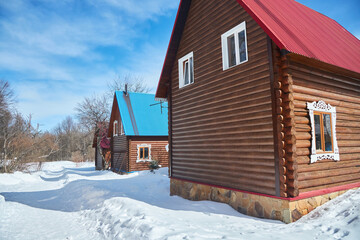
(321,106)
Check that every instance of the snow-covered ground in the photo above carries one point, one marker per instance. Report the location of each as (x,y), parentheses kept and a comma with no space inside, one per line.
(66,200)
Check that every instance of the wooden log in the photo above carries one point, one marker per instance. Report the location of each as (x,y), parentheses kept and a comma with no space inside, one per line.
(347,117)
(328,165)
(277,84)
(292,166)
(303,144)
(343,158)
(303,128)
(289,131)
(290,139)
(289,113)
(342,123)
(283,187)
(302,120)
(350,108)
(329,180)
(303,160)
(348,143)
(288,105)
(292,183)
(287,97)
(293,192)
(282,178)
(280,126)
(325,94)
(327,173)
(283,170)
(287,88)
(287,79)
(302,152)
(303,136)
(347,130)
(283,194)
(303,190)
(300,114)
(290,157)
(299,104)
(291,148)
(289,122)
(349,150)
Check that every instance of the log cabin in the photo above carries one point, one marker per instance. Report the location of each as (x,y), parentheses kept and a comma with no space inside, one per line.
(264,106)
(138,130)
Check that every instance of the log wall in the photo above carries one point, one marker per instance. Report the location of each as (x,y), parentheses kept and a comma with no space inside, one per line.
(222,127)
(314,84)
(119,153)
(158,152)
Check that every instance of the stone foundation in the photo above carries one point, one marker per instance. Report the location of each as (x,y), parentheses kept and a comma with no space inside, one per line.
(286,210)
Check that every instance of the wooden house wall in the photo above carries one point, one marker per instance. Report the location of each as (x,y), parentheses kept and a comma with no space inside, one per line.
(313,84)
(119,153)
(221,125)
(158,152)
(308,83)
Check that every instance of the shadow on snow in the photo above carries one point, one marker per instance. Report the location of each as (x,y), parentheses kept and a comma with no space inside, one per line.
(90,194)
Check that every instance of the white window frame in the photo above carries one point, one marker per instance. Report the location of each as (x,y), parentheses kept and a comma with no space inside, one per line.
(181,70)
(225,49)
(321,106)
(115,125)
(138,160)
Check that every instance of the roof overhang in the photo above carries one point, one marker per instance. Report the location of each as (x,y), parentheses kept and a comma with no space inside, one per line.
(280,20)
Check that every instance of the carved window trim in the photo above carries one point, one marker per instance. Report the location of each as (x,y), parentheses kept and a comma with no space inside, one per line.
(139,146)
(321,106)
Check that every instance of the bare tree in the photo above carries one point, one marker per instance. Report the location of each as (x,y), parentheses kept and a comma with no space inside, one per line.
(17,140)
(134,84)
(6,96)
(92,110)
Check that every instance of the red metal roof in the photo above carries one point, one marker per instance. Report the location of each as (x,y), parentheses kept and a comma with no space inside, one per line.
(301,30)
(292,26)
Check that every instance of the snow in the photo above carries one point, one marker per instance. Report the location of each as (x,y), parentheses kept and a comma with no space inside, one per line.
(66,200)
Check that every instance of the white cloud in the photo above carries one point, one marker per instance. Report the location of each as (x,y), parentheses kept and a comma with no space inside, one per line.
(57,52)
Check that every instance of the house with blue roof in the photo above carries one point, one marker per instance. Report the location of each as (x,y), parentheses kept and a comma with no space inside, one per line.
(138,130)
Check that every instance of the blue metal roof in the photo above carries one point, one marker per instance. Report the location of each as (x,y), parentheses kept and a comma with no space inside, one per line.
(139,118)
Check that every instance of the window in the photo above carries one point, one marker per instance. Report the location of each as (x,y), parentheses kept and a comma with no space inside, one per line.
(115,128)
(323,121)
(234,46)
(143,153)
(121,128)
(186,70)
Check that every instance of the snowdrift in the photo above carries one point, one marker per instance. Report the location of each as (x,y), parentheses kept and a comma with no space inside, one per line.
(69,201)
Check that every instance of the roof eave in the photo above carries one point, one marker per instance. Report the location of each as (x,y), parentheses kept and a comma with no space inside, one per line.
(162,88)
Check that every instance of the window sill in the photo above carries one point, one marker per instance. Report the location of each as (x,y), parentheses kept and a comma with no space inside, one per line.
(143,161)
(186,85)
(228,68)
(323,156)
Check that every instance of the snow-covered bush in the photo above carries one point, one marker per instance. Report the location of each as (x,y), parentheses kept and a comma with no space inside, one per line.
(154,165)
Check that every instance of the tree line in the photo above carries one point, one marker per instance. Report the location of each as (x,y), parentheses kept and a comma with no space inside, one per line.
(21,142)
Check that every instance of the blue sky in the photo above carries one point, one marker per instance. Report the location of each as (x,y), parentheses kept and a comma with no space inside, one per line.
(56,52)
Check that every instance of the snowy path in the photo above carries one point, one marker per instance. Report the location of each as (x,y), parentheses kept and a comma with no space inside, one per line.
(67,202)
